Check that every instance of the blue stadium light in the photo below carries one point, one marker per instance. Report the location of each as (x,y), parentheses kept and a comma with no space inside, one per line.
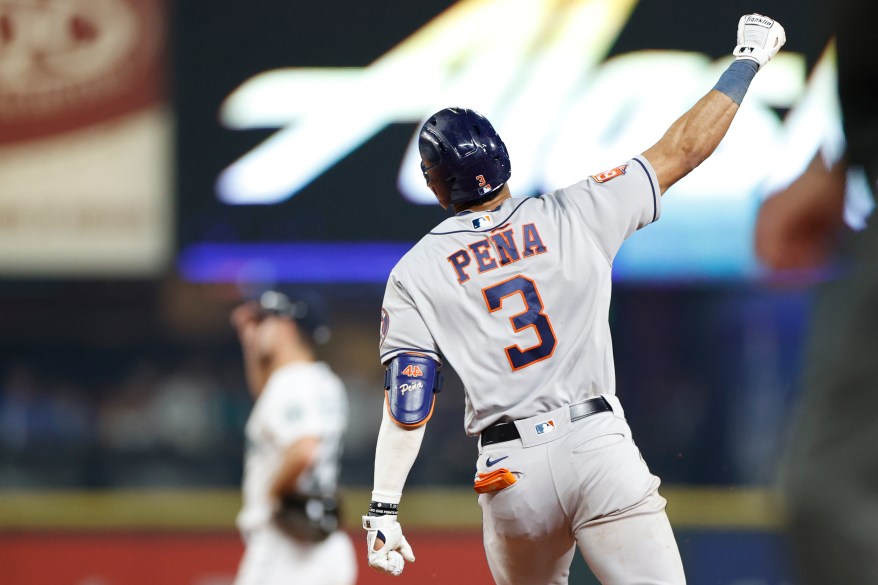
(301,262)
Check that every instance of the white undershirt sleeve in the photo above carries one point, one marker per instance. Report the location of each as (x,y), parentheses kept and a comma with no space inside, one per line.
(395,453)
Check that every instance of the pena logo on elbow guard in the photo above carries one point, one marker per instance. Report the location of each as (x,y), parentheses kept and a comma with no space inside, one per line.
(411,382)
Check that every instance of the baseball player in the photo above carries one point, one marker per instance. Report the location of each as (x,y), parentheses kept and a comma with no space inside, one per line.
(514,293)
(289,519)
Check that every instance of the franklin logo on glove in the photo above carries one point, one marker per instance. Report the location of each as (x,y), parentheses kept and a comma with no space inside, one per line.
(757,19)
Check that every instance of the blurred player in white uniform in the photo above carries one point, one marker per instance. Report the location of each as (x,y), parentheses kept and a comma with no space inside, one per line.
(289,519)
(514,294)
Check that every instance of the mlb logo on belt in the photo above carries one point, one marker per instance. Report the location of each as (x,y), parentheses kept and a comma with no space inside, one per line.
(545,427)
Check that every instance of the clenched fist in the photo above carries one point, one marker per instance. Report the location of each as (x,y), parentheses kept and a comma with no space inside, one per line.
(759,38)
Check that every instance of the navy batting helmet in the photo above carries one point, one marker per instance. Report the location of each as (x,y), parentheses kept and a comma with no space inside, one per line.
(462,156)
(308,310)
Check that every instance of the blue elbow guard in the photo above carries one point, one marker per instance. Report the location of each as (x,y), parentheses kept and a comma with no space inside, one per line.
(411,381)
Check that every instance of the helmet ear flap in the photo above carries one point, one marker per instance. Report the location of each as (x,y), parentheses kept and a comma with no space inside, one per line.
(462,156)
(438,183)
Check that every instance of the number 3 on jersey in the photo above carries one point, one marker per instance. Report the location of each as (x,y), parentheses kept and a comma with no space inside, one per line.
(532,316)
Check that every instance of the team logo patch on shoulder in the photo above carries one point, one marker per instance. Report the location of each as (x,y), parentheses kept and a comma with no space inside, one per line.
(482,221)
(385,325)
(547,426)
(611,174)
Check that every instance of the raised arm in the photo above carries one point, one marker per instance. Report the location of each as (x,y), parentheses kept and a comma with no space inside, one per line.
(244,319)
(697,133)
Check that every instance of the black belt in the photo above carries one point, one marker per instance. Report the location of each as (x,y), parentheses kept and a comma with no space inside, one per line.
(506,431)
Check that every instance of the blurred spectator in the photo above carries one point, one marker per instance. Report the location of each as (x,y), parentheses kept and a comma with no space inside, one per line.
(16,404)
(36,413)
(72,415)
(123,424)
(831,478)
(185,412)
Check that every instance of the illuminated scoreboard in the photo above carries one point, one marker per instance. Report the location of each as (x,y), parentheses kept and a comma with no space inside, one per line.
(297,124)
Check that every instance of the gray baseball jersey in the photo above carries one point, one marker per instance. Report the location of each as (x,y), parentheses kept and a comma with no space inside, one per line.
(517,299)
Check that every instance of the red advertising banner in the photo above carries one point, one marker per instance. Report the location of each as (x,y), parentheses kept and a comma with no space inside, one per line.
(72,63)
(73,558)
(84,138)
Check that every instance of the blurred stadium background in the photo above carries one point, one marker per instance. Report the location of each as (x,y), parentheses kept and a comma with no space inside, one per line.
(160,159)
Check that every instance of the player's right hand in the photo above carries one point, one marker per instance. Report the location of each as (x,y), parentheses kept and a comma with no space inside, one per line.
(759,38)
(390,556)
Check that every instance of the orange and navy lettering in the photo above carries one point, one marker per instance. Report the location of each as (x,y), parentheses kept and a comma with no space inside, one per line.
(504,245)
(533,317)
(495,251)
(413,371)
(532,244)
(484,260)
(460,260)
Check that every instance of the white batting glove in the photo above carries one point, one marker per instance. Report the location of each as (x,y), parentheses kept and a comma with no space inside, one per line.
(759,38)
(391,557)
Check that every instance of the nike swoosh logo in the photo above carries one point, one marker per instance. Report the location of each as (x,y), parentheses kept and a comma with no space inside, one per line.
(489,463)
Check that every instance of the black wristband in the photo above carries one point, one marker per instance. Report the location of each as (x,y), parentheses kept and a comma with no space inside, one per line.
(383,509)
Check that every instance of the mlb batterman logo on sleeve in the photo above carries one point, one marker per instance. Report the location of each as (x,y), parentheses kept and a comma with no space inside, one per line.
(385,325)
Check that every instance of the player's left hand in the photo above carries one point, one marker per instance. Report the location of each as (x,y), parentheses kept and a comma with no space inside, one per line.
(389,558)
(759,38)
